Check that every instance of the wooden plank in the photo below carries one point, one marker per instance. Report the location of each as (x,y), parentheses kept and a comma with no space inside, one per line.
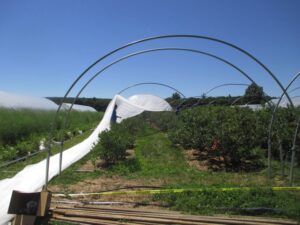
(232,217)
(224,220)
(89,221)
(138,214)
(156,216)
(131,218)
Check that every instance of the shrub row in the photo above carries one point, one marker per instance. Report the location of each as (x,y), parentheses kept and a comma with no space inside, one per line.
(232,138)
(229,138)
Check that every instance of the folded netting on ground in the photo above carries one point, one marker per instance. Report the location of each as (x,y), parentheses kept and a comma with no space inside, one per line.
(32,177)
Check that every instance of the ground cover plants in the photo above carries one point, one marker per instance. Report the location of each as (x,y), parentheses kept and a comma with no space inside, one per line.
(21,131)
(11,170)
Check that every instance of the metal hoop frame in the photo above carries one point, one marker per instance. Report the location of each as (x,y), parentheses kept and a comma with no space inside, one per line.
(143,41)
(294,89)
(152,83)
(120,92)
(135,54)
(271,129)
(223,85)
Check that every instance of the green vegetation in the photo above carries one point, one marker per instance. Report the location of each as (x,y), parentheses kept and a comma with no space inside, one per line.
(253,202)
(100,104)
(21,131)
(118,139)
(254,94)
(232,138)
(11,170)
(228,137)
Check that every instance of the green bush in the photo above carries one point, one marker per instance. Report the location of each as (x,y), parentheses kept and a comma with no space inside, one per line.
(227,136)
(112,147)
(162,121)
(114,143)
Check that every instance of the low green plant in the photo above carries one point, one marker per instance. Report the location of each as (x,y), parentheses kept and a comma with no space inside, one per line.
(22,130)
(257,201)
(114,142)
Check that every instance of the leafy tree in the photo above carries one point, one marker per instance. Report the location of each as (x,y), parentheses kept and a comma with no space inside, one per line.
(176,96)
(254,94)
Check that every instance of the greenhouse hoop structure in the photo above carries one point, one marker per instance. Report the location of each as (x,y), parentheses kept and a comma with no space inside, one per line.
(178,36)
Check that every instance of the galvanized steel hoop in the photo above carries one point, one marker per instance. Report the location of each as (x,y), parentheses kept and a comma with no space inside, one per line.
(142,41)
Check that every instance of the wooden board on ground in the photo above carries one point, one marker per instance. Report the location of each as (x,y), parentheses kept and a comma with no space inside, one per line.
(91,214)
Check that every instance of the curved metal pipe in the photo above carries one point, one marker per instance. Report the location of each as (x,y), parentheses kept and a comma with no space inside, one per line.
(270,103)
(152,83)
(211,102)
(224,85)
(139,53)
(294,90)
(120,92)
(218,86)
(154,50)
(247,103)
(271,129)
(137,42)
(236,100)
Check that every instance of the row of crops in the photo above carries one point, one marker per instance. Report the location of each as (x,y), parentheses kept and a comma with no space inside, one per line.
(23,131)
(229,138)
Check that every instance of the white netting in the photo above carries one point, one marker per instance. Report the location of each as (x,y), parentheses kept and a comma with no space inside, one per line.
(32,177)
(285,102)
(254,107)
(13,101)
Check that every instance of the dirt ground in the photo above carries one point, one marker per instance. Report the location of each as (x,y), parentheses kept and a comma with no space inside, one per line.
(192,157)
(118,183)
(108,183)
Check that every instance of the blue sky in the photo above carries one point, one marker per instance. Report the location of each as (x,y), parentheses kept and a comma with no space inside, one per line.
(45,45)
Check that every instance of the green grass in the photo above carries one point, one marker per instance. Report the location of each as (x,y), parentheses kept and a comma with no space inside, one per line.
(254,202)
(157,158)
(19,124)
(70,176)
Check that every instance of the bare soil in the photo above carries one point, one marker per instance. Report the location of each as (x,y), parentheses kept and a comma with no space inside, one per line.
(193,158)
(108,183)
